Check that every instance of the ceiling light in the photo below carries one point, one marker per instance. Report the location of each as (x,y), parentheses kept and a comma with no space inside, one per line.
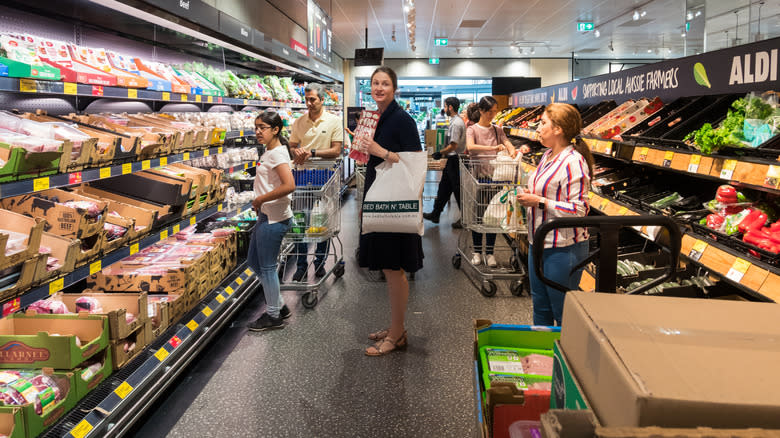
(406,9)
(408,24)
(697,13)
(521,50)
(635,16)
(683,34)
(689,15)
(643,13)
(649,50)
(597,33)
(533,50)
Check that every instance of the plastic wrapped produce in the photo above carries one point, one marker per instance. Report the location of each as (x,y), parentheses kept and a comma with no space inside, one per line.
(88,304)
(275,87)
(288,86)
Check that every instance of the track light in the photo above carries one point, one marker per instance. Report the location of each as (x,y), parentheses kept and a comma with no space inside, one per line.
(636,15)
(683,34)
(597,33)
(649,50)
(697,13)
(533,50)
(611,47)
(643,13)
(406,9)
(689,15)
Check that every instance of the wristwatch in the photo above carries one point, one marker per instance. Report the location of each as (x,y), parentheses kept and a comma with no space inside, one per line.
(314,153)
(540,205)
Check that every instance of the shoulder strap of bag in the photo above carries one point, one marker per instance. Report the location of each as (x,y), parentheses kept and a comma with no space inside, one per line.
(495,132)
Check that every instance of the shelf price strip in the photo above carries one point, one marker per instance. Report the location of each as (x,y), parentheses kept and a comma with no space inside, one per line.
(668,156)
(728,169)
(738,270)
(82,429)
(772,177)
(123,390)
(697,250)
(693,165)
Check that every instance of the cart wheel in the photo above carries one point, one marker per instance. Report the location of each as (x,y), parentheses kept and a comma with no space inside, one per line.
(339,271)
(309,299)
(456,261)
(517,288)
(514,262)
(488,288)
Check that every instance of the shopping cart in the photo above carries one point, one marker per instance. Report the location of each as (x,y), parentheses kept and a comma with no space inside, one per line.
(432,178)
(489,208)
(316,218)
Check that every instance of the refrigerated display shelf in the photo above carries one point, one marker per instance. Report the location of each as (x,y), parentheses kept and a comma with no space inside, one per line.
(753,277)
(52,286)
(112,408)
(36,86)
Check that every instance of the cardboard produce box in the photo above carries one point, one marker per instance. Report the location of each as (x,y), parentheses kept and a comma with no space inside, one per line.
(674,362)
(18,279)
(160,212)
(115,307)
(123,278)
(128,223)
(15,225)
(65,251)
(12,422)
(566,390)
(35,341)
(33,423)
(151,187)
(165,310)
(149,144)
(86,378)
(141,338)
(115,147)
(63,220)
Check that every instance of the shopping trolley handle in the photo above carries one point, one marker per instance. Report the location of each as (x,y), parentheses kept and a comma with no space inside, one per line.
(608,228)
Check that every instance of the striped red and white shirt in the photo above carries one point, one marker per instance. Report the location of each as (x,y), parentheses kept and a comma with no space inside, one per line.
(564,181)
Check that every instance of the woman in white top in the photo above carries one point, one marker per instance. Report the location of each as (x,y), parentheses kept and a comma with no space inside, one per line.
(559,187)
(274,185)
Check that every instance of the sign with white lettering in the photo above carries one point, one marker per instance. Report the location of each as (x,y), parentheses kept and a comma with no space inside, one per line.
(193,10)
(741,69)
(235,29)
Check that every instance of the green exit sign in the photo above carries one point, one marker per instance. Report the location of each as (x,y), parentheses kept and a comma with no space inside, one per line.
(584,26)
(434,61)
(440,42)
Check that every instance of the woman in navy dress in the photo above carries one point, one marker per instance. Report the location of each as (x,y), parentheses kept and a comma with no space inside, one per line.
(393,253)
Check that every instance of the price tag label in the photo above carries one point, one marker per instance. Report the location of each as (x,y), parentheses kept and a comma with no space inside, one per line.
(127,168)
(123,389)
(186,156)
(105,172)
(198,98)
(207,311)
(145,164)
(95,267)
(133,248)
(607,147)
(229,290)
(693,165)
(772,177)
(728,169)
(70,88)
(166,95)
(220,299)
(175,341)
(219,207)
(183,97)
(238,210)
(246,166)
(246,102)
(161,354)
(193,220)
(241,133)
(56,285)
(28,86)
(132,93)
(248,271)
(192,325)
(239,281)
(623,211)
(40,184)
(75,178)
(738,270)
(697,250)
(163,161)
(97,90)
(603,205)
(643,153)
(163,234)
(206,152)
(219,150)
(82,429)
(668,156)
(210,99)
(176,228)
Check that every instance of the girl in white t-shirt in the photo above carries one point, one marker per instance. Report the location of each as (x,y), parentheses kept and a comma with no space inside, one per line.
(274,185)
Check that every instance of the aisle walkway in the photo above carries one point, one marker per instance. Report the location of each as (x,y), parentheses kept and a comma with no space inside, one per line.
(311,379)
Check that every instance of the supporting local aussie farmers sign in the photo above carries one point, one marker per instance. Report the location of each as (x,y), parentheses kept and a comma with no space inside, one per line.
(742,69)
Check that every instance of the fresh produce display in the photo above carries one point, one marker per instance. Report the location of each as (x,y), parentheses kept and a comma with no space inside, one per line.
(631,267)
(293,95)
(699,281)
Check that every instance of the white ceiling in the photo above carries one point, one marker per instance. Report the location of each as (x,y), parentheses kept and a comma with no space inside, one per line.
(547,26)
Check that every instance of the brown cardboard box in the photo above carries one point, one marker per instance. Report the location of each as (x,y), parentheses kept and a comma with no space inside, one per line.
(160,211)
(126,222)
(176,280)
(166,310)
(67,251)
(28,270)
(141,338)
(675,362)
(115,306)
(62,220)
(32,227)
(561,423)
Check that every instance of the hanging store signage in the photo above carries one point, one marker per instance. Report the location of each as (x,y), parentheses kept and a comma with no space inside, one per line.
(298,47)
(584,26)
(742,69)
(320,32)
(235,29)
(192,10)
(433,61)
(441,41)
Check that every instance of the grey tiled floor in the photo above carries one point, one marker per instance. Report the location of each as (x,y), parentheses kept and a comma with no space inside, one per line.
(312,380)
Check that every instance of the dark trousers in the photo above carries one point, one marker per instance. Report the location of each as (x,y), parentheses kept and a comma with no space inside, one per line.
(449,184)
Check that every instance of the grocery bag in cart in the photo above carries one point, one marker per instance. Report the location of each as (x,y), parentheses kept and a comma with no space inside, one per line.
(393,204)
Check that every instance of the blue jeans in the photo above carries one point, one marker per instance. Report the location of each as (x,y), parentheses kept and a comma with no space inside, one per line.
(548,301)
(490,242)
(302,252)
(263,258)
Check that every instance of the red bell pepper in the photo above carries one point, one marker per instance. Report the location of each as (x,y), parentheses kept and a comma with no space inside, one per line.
(775,227)
(726,194)
(757,222)
(715,221)
(749,219)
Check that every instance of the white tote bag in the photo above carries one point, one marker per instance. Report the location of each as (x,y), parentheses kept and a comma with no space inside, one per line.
(393,204)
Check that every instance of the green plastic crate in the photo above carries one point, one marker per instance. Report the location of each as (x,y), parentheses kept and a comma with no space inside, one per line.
(21,164)
(18,69)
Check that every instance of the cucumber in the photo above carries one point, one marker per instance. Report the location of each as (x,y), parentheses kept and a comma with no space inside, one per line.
(637,266)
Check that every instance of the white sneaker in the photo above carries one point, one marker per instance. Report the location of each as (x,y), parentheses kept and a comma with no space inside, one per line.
(476,259)
(491,261)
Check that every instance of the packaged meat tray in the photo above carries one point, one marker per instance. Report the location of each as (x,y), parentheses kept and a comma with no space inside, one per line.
(20,238)
(516,361)
(68,214)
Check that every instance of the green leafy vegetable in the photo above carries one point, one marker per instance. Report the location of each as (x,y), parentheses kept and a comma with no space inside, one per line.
(729,133)
(700,75)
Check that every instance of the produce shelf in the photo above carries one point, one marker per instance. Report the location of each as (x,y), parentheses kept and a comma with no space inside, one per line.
(112,408)
(755,278)
(56,285)
(35,86)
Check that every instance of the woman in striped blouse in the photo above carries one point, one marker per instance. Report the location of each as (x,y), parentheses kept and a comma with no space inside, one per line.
(558,188)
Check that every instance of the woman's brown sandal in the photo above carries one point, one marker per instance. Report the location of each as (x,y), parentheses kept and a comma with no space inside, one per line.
(378,348)
(378,336)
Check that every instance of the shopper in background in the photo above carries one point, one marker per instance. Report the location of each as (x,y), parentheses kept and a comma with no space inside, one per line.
(472,114)
(450,177)
(559,187)
(273,188)
(393,253)
(484,140)
(316,134)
